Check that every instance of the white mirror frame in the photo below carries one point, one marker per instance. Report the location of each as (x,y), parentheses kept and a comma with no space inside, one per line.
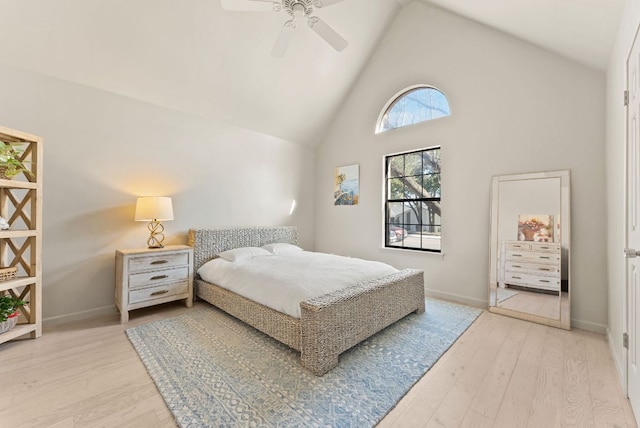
(563,320)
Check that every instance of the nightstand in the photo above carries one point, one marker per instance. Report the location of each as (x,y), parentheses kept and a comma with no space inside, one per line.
(150,276)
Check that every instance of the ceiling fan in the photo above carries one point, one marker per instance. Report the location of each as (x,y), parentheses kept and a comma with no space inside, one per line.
(297,9)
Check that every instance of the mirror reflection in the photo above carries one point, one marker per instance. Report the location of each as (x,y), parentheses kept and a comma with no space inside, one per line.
(529,262)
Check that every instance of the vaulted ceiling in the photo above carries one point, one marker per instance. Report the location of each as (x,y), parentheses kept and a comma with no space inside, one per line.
(582,30)
(195,57)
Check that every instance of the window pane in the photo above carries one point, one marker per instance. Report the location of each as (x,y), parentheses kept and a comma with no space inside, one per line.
(431,161)
(396,166)
(413,213)
(431,213)
(395,213)
(413,164)
(431,242)
(414,106)
(413,187)
(395,235)
(431,237)
(431,229)
(431,220)
(396,188)
(407,214)
(431,185)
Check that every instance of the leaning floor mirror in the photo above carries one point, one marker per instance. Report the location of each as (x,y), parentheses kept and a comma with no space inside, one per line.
(529,266)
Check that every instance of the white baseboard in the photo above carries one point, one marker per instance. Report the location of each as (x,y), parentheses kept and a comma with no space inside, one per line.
(589,326)
(618,362)
(478,303)
(76,316)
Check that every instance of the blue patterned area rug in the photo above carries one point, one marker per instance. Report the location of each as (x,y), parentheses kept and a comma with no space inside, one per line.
(214,371)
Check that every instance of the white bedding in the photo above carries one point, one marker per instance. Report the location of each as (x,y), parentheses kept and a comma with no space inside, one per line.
(281,282)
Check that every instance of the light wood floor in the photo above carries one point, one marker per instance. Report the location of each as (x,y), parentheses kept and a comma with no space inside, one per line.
(502,372)
(544,305)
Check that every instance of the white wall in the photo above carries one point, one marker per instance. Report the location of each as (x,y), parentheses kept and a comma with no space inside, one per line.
(615,167)
(515,109)
(102,150)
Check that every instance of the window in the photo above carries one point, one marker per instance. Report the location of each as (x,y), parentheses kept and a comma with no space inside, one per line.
(412,200)
(413,105)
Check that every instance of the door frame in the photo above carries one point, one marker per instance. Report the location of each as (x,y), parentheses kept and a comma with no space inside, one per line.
(625,227)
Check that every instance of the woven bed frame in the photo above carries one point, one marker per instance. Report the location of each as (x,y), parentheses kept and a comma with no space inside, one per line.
(330,324)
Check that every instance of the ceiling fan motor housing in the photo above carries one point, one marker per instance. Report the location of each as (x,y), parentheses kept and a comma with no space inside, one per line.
(298,8)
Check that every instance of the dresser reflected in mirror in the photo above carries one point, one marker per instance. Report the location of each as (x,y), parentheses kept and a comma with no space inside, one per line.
(529,265)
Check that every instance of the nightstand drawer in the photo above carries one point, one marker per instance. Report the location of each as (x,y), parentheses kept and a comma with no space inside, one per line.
(163,276)
(159,261)
(158,292)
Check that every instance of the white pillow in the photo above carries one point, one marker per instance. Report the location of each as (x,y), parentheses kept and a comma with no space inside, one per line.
(282,248)
(243,253)
(214,270)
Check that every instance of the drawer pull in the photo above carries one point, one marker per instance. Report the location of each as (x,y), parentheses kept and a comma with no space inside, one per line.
(159,262)
(544,257)
(517,255)
(157,277)
(159,293)
(544,280)
(517,266)
(547,269)
(516,277)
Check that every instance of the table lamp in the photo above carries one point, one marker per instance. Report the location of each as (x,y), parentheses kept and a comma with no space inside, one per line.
(154,209)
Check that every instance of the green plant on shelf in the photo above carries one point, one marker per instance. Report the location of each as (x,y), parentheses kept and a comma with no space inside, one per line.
(9,306)
(10,160)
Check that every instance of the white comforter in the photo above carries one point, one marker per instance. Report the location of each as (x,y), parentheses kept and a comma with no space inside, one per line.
(281,282)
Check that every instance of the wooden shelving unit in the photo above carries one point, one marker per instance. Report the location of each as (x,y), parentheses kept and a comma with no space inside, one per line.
(21,245)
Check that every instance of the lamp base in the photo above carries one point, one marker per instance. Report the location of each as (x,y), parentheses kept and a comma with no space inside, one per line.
(156,238)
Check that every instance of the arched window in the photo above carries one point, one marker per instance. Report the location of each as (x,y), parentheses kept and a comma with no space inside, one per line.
(413,105)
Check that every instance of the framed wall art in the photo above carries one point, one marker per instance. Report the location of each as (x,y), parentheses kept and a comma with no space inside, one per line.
(346,185)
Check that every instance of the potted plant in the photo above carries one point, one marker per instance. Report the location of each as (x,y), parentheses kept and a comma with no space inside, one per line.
(9,312)
(10,163)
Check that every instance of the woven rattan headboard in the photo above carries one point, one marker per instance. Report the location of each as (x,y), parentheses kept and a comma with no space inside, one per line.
(208,243)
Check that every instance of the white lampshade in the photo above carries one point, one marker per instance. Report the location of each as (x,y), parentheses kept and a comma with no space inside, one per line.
(150,208)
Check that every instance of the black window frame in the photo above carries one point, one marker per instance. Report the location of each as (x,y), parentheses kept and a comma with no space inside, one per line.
(405,200)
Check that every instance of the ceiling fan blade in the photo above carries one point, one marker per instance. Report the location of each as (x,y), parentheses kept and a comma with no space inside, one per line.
(325,3)
(249,5)
(283,39)
(327,33)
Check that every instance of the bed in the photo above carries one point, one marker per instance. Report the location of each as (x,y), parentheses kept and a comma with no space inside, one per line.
(329,324)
